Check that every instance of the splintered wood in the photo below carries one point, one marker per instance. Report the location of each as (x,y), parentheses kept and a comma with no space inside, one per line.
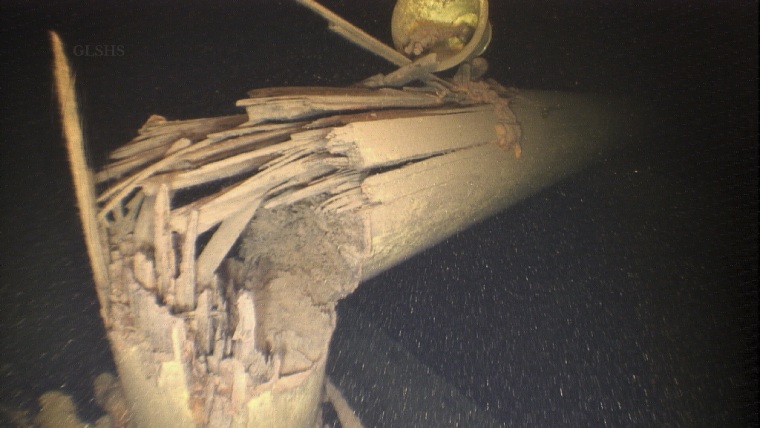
(194,287)
(232,164)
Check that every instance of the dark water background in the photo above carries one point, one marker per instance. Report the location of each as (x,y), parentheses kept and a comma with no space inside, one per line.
(624,296)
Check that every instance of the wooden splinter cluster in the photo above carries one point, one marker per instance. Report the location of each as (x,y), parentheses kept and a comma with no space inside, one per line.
(177,198)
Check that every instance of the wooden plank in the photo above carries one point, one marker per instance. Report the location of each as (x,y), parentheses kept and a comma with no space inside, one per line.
(143,232)
(162,242)
(295,92)
(125,165)
(186,281)
(326,185)
(156,133)
(224,238)
(233,146)
(204,327)
(247,130)
(347,200)
(245,330)
(388,142)
(221,205)
(225,168)
(288,106)
(338,120)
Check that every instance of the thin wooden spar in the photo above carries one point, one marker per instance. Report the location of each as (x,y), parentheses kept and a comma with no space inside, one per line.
(84,185)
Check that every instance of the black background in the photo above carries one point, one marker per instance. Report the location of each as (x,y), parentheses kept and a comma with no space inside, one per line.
(625,295)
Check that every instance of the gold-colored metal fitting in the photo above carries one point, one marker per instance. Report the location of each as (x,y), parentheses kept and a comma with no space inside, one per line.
(455,30)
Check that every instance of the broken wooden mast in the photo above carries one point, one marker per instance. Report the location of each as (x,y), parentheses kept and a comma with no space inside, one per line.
(222,245)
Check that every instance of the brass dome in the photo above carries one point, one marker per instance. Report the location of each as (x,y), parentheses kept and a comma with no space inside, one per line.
(455,30)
